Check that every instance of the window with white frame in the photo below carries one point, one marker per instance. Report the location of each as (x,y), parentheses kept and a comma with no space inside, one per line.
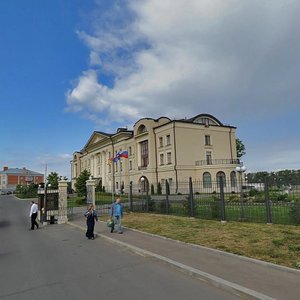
(168,139)
(161,159)
(161,141)
(207,140)
(207,180)
(209,157)
(169,158)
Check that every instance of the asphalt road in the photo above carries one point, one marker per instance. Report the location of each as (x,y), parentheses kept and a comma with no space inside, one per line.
(58,262)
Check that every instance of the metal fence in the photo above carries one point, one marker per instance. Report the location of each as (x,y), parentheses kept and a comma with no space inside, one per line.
(220,200)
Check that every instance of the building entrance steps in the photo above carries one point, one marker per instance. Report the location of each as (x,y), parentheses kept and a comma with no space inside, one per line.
(253,278)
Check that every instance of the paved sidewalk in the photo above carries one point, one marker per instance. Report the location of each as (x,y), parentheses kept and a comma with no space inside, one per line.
(253,278)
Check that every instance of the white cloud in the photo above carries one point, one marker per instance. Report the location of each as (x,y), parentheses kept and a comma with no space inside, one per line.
(203,54)
(238,60)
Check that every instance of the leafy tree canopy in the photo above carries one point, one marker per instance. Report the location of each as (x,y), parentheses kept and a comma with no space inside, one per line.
(53,180)
(240,148)
(80,184)
(278,178)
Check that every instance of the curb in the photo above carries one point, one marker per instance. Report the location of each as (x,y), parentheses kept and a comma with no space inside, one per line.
(216,281)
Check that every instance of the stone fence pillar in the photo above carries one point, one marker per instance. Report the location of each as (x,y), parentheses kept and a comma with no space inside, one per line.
(90,188)
(62,202)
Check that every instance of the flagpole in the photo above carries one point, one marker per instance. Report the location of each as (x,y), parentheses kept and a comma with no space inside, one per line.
(120,177)
(113,182)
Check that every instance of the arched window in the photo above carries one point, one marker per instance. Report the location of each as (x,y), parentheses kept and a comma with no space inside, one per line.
(221,175)
(233,179)
(142,128)
(206,180)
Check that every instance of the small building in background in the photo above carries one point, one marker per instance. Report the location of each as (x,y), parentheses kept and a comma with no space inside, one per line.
(11,177)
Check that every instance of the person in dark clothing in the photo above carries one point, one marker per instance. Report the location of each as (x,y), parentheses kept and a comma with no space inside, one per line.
(91,217)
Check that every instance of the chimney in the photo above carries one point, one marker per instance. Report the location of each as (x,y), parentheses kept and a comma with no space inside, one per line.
(5,168)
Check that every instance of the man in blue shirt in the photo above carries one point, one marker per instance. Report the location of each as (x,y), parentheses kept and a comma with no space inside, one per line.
(116,215)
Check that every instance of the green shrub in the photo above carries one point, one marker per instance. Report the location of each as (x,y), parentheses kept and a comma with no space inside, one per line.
(152,189)
(253,192)
(187,205)
(234,198)
(216,209)
(159,189)
(277,196)
(295,213)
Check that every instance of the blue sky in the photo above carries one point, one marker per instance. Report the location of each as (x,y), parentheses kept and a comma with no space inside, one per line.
(71,67)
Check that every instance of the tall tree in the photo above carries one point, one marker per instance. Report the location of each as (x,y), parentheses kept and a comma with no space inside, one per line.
(80,184)
(240,148)
(53,180)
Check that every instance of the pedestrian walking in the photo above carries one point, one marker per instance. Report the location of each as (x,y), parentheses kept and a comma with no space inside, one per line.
(116,214)
(33,214)
(91,217)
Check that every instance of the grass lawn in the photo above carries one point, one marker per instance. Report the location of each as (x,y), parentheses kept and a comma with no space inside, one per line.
(279,244)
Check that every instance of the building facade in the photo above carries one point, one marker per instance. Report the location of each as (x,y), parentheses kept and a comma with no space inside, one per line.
(11,177)
(158,150)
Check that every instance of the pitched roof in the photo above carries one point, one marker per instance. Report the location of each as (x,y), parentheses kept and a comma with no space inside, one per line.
(17,171)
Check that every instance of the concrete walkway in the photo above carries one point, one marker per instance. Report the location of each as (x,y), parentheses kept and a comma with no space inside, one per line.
(251,278)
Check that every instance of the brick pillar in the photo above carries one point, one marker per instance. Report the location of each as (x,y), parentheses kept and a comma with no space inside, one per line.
(62,202)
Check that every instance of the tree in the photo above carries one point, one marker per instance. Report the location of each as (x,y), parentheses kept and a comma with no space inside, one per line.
(240,148)
(159,189)
(53,180)
(167,187)
(80,184)
(152,189)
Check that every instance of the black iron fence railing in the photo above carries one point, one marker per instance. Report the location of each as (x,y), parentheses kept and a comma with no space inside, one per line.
(223,200)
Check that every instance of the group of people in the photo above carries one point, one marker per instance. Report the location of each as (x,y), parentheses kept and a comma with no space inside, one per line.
(116,215)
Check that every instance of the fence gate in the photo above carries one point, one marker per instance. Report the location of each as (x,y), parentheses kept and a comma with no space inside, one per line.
(48,205)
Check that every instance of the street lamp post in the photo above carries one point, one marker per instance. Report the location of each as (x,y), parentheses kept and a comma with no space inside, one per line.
(241,170)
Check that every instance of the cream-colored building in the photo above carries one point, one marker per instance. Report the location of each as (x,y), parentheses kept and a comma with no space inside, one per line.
(161,149)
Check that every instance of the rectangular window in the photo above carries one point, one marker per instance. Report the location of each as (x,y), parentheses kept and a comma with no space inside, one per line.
(207,140)
(209,157)
(144,154)
(168,139)
(130,165)
(169,158)
(130,151)
(161,142)
(161,159)
(121,166)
